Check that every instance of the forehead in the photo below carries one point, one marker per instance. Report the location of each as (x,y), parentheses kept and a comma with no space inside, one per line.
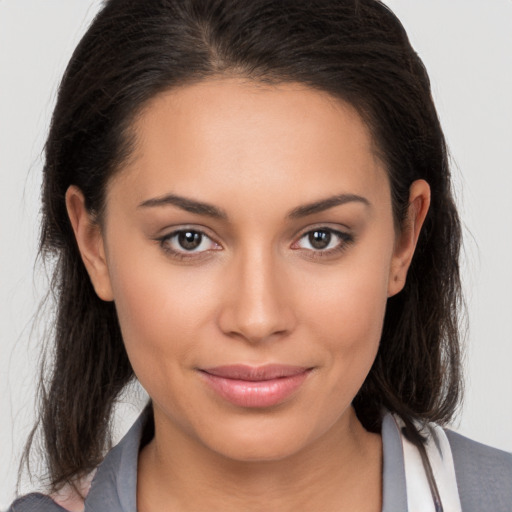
(274,140)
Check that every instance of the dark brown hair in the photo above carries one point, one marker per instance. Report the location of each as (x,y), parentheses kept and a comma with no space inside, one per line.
(355,50)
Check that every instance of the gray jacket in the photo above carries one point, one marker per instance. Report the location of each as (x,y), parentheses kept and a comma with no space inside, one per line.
(484,476)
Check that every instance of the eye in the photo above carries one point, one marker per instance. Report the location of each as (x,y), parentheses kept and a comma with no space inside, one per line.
(186,242)
(324,240)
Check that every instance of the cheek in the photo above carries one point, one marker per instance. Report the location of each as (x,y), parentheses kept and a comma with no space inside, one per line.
(344,310)
(163,317)
(350,299)
(161,310)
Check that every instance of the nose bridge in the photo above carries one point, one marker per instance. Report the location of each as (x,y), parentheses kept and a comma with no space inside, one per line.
(258,307)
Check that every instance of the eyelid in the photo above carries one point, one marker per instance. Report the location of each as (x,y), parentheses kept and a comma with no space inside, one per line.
(337,229)
(171,229)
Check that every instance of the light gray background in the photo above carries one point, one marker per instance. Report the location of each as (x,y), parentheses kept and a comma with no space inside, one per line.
(467,48)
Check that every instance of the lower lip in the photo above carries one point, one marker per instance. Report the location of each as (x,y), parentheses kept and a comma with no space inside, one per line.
(257,394)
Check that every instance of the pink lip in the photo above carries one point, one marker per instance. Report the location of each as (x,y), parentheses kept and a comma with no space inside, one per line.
(250,386)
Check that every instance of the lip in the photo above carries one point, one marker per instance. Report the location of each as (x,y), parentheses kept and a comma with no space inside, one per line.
(255,386)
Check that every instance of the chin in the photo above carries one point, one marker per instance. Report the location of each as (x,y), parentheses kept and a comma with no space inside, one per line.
(274,446)
(260,437)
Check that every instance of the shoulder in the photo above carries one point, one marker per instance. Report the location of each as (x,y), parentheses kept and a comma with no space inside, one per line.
(35,502)
(111,487)
(67,499)
(484,474)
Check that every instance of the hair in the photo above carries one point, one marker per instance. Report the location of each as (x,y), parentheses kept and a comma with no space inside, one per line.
(356,51)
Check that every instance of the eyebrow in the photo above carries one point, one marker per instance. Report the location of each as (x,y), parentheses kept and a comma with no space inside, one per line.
(208,210)
(326,204)
(189,205)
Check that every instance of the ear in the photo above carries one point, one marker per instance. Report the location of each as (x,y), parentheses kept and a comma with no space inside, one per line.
(419,202)
(90,242)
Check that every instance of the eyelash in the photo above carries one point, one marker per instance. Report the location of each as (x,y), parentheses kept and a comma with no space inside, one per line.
(184,254)
(344,240)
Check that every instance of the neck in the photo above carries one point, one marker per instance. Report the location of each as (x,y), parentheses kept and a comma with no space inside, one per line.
(341,470)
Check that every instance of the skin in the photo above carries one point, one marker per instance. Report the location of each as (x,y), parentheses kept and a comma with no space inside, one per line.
(255,292)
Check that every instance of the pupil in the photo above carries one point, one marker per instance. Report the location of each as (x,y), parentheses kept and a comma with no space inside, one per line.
(189,240)
(320,239)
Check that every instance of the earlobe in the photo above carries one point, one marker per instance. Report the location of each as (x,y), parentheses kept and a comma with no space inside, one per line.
(419,202)
(90,242)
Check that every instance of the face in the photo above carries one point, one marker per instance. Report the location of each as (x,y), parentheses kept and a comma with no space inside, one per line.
(249,246)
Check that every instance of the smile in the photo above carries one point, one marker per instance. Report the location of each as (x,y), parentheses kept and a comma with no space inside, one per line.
(258,387)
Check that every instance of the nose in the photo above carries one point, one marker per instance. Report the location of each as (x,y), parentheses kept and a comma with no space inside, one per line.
(257,305)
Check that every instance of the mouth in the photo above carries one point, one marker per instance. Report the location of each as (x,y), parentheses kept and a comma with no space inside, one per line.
(255,386)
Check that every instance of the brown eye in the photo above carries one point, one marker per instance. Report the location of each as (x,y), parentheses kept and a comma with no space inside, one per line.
(188,243)
(189,240)
(324,241)
(319,239)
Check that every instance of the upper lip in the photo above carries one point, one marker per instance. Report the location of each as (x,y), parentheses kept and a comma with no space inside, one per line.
(255,373)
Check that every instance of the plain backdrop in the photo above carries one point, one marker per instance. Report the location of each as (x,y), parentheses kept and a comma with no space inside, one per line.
(467,48)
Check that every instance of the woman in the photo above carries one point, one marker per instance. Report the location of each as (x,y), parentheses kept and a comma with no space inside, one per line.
(250,205)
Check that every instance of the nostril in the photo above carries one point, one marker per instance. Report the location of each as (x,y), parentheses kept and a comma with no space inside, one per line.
(274,325)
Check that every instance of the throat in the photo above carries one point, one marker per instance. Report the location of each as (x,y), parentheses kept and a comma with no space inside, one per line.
(346,476)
